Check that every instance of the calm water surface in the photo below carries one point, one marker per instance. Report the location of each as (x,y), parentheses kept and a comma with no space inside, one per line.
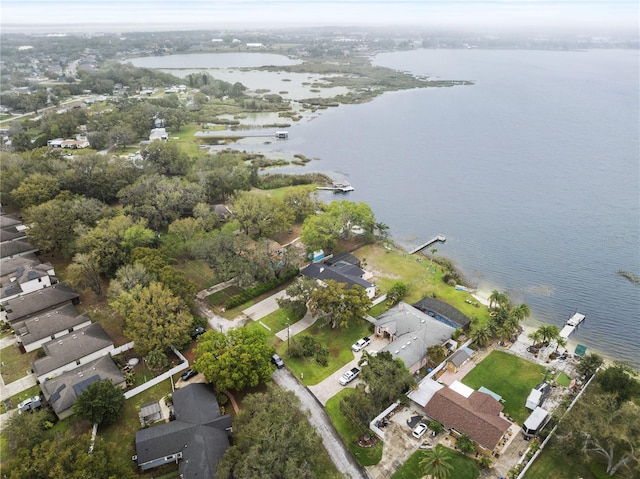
(532,173)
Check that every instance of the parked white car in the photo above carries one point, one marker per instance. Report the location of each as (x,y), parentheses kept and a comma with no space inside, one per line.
(419,430)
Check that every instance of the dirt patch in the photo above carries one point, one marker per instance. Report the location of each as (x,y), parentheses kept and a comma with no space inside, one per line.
(367,440)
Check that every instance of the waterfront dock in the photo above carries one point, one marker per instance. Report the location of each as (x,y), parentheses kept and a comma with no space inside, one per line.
(436,239)
(572,323)
(338,187)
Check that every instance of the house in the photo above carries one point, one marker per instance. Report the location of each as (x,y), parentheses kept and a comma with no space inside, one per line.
(61,392)
(32,333)
(222,211)
(342,272)
(465,411)
(9,220)
(12,233)
(32,304)
(457,359)
(411,332)
(196,439)
(443,312)
(68,352)
(158,134)
(25,278)
(14,249)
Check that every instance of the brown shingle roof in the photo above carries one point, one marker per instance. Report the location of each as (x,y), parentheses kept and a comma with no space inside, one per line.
(477,416)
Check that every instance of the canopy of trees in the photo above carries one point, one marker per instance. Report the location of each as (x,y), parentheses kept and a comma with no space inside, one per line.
(237,360)
(336,304)
(273,439)
(100,403)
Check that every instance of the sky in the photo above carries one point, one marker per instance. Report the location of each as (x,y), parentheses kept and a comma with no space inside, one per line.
(595,16)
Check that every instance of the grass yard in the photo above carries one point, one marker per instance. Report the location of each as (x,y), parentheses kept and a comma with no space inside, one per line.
(273,323)
(338,341)
(391,266)
(123,432)
(553,464)
(367,456)
(15,364)
(197,271)
(463,467)
(563,380)
(509,376)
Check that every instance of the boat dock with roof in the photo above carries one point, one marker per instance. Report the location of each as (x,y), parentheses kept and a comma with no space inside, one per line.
(338,187)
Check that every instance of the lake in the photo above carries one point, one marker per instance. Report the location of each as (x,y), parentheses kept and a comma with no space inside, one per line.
(532,173)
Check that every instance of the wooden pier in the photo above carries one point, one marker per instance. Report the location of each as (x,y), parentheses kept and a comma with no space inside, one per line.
(436,239)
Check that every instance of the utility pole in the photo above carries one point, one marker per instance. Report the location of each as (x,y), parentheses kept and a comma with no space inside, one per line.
(288,336)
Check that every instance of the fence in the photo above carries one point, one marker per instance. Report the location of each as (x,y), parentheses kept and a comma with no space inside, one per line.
(158,379)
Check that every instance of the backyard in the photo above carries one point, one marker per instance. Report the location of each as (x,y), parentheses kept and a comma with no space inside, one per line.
(509,376)
(462,467)
(367,456)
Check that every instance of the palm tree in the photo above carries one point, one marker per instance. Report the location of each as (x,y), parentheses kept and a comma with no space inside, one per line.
(521,311)
(383,230)
(485,462)
(433,252)
(536,337)
(560,342)
(498,299)
(437,463)
(589,364)
(481,336)
(549,333)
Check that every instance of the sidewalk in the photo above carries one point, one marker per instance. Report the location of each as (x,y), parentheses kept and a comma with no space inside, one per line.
(296,328)
(18,386)
(265,307)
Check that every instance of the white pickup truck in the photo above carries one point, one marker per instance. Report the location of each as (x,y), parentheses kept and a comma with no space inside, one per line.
(349,376)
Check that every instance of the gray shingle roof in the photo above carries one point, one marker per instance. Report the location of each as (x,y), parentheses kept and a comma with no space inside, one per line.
(323,272)
(60,391)
(49,323)
(12,248)
(199,432)
(414,330)
(45,299)
(71,347)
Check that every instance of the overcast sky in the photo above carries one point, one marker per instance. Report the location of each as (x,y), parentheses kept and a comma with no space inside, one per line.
(127,15)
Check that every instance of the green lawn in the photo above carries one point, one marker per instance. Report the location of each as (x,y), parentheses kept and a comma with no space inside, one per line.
(563,380)
(509,376)
(338,341)
(273,323)
(553,464)
(367,456)
(15,364)
(423,278)
(197,271)
(463,467)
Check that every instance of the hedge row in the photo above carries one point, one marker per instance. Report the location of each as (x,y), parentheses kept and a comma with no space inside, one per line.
(258,289)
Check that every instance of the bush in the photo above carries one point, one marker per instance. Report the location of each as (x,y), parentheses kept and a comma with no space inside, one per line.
(322,356)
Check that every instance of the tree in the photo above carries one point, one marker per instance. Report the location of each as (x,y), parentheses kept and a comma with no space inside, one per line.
(387,378)
(436,427)
(159,199)
(35,189)
(301,201)
(100,403)
(186,229)
(620,379)
(154,318)
(129,276)
(298,293)
(51,227)
(436,463)
(105,243)
(219,250)
(589,364)
(336,304)
(237,360)
(481,336)
(272,439)
(156,360)
(498,299)
(122,135)
(395,294)
(165,158)
(65,457)
(320,232)
(84,272)
(435,355)
(24,431)
(601,426)
(465,444)
(260,215)
(358,408)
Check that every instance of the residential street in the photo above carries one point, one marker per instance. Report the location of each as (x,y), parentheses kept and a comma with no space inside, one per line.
(318,418)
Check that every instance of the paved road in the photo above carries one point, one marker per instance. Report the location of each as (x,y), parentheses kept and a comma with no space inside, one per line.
(340,456)
(265,307)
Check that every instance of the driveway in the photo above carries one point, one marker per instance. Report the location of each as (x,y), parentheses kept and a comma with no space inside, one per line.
(341,457)
(330,386)
(265,307)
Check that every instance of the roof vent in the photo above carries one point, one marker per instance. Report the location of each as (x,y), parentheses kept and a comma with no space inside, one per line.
(60,341)
(75,336)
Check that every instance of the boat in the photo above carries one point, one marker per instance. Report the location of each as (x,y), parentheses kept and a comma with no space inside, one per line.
(572,323)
